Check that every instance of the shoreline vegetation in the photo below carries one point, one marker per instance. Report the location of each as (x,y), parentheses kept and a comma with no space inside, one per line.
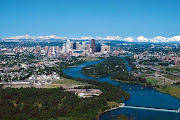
(57,104)
(170,90)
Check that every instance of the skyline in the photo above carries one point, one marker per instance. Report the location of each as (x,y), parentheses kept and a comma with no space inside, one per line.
(70,18)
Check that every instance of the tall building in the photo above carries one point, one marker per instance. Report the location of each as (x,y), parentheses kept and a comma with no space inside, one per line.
(63,49)
(88,47)
(105,49)
(83,45)
(68,46)
(74,45)
(93,45)
(98,48)
(77,46)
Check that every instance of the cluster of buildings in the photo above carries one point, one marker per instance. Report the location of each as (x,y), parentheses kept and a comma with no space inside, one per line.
(85,92)
(84,48)
(174,59)
(34,80)
(53,76)
(62,50)
(171,58)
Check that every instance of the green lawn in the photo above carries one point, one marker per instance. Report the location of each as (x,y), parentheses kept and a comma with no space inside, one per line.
(68,82)
(153,81)
(113,104)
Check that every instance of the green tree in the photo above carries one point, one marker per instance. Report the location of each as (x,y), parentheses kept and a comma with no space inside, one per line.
(122,117)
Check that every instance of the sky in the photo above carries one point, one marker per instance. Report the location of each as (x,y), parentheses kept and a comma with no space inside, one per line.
(75,18)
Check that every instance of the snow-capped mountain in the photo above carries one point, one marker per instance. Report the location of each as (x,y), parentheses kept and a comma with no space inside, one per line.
(117,38)
(142,39)
(27,37)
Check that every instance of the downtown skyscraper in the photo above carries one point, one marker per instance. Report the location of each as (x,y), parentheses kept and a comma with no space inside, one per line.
(93,45)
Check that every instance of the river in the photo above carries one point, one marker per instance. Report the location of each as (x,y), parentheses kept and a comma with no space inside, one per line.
(140,96)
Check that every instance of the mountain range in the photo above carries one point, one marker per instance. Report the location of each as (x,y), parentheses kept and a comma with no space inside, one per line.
(117,38)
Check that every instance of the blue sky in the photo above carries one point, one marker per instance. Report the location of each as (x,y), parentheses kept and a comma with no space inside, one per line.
(75,18)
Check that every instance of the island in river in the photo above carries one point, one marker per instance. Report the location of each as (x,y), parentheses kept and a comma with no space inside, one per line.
(115,67)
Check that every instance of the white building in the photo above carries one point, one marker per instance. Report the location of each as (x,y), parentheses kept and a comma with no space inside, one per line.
(105,49)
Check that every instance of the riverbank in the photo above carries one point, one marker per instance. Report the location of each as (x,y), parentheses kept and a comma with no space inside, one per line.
(171,90)
(113,106)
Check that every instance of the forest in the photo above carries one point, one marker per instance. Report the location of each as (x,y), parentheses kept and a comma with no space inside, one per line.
(55,103)
(107,67)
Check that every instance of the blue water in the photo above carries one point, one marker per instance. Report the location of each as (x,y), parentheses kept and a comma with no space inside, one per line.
(140,96)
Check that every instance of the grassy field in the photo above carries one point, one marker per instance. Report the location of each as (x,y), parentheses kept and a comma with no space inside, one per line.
(112,104)
(161,67)
(64,82)
(172,77)
(172,90)
(153,81)
(89,59)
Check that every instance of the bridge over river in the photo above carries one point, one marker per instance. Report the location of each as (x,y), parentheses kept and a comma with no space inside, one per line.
(148,108)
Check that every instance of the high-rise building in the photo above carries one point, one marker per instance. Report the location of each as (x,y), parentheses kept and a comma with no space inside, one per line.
(93,45)
(105,49)
(88,47)
(68,45)
(74,45)
(63,49)
(98,48)
(83,45)
(77,46)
